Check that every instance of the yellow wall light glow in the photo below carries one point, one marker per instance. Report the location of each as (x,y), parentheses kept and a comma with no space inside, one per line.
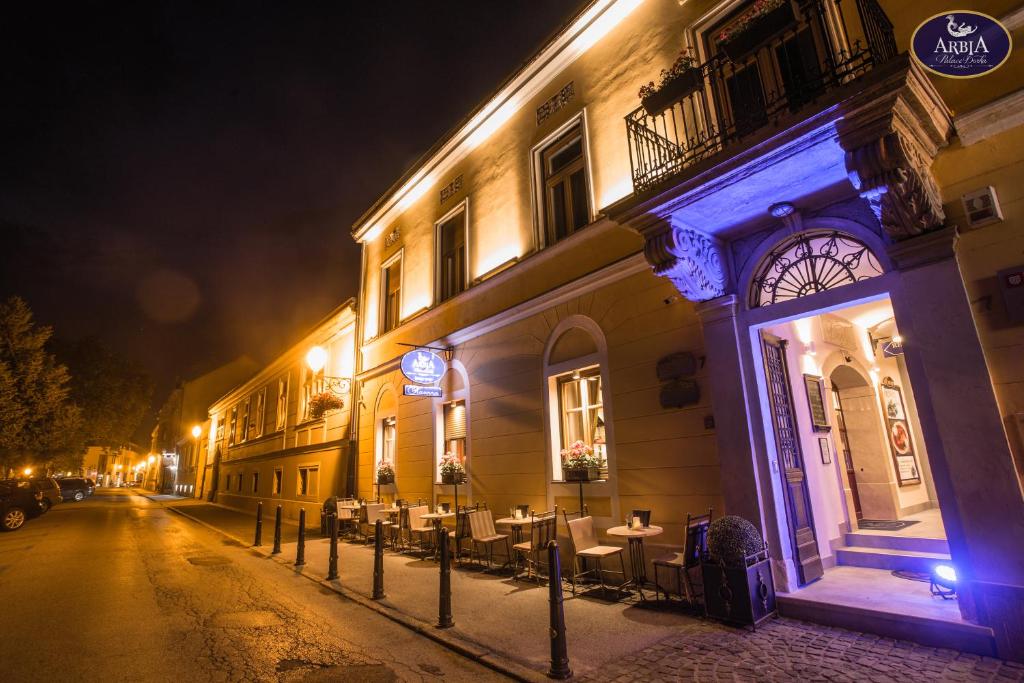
(316,358)
(603,24)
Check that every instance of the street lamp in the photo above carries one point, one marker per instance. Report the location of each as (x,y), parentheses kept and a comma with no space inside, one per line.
(27,471)
(316,359)
(197,431)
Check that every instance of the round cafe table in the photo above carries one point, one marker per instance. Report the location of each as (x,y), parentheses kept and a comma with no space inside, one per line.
(436,518)
(637,564)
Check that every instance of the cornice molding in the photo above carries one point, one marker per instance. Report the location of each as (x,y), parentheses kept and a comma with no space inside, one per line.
(991,119)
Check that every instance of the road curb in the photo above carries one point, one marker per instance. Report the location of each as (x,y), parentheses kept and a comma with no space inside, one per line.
(465,648)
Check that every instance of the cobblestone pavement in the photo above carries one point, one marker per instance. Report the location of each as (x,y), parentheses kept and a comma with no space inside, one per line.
(787,650)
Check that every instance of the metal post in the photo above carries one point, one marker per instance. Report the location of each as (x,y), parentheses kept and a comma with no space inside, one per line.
(378,560)
(332,560)
(277,532)
(444,608)
(559,648)
(258,541)
(300,549)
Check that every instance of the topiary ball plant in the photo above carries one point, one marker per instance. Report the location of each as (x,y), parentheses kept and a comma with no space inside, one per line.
(732,538)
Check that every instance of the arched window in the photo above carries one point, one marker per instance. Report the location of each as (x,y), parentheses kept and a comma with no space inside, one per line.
(811,262)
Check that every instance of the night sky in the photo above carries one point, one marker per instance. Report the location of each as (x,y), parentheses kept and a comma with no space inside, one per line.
(180,179)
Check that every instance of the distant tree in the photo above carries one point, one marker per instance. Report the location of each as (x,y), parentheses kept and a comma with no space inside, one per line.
(39,422)
(111,392)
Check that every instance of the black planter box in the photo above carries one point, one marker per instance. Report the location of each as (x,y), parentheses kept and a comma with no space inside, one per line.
(759,32)
(589,474)
(681,86)
(383,479)
(453,477)
(739,595)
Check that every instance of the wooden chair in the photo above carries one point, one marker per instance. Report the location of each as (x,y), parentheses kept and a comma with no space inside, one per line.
(695,544)
(543,528)
(398,528)
(586,547)
(482,532)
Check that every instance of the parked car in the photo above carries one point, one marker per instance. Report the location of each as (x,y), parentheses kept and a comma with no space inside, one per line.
(45,485)
(19,501)
(75,488)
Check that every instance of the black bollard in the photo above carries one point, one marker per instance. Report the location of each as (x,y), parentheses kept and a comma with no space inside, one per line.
(378,560)
(258,541)
(332,559)
(444,607)
(300,549)
(559,647)
(277,532)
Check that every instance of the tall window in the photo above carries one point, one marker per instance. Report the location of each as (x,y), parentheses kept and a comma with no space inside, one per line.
(239,482)
(581,410)
(309,481)
(232,425)
(566,198)
(389,434)
(312,384)
(451,256)
(391,294)
(277,481)
(243,433)
(258,412)
(454,432)
(282,403)
(220,429)
(255,482)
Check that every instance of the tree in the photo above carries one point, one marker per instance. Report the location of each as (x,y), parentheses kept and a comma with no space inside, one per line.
(39,422)
(111,392)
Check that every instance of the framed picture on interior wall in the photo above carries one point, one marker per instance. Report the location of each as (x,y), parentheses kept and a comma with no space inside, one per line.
(815,387)
(825,450)
(898,433)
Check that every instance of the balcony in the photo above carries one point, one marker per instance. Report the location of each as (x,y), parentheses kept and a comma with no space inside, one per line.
(792,59)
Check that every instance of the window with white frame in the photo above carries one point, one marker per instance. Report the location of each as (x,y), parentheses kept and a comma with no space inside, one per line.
(220,428)
(278,474)
(259,410)
(312,385)
(309,481)
(282,403)
(388,440)
(451,254)
(563,176)
(454,436)
(232,425)
(391,293)
(580,406)
(243,420)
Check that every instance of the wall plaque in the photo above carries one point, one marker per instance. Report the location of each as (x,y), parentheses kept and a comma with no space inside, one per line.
(898,428)
(815,387)
(392,237)
(451,189)
(557,101)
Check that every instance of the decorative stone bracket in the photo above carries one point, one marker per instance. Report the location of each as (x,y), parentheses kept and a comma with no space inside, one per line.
(692,260)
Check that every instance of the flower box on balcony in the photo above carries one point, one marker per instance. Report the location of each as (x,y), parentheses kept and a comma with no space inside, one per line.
(582,474)
(383,479)
(682,85)
(750,35)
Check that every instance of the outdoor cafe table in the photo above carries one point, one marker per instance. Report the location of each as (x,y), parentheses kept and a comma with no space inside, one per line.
(637,565)
(517,526)
(436,518)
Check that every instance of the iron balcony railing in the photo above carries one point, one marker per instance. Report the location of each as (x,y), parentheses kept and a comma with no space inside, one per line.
(823,45)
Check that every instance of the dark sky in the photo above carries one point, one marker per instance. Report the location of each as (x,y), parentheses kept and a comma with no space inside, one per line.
(180,178)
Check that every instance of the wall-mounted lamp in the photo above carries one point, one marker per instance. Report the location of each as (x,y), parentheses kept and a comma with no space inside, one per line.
(316,359)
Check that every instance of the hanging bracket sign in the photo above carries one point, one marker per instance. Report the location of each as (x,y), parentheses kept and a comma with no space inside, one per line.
(423,367)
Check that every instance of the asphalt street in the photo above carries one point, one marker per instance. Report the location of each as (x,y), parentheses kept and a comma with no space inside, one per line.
(119,588)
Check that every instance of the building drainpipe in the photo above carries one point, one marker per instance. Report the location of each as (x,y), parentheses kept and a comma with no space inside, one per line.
(356,389)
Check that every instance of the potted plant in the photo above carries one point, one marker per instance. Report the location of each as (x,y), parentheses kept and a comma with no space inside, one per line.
(678,81)
(452,471)
(579,463)
(738,586)
(759,24)
(324,402)
(385,474)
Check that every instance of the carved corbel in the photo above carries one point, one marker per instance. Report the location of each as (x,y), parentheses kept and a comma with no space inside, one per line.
(692,260)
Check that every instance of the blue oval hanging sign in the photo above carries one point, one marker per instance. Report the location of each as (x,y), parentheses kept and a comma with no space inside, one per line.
(961,44)
(423,367)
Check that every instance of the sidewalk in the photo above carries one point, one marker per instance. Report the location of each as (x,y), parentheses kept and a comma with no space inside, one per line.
(504,623)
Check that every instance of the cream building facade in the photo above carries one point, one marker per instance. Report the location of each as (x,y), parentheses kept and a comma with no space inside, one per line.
(765,295)
(265,439)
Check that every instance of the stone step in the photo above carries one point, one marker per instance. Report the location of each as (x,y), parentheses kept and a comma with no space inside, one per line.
(886,558)
(866,539)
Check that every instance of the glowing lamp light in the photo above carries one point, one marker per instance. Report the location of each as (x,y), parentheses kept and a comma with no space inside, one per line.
(27,471)
(152,459)
(943,581)
(316,358)
(197,431)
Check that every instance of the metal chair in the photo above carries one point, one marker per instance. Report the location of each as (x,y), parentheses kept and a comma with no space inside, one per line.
(374,511)
(586,547)
(461,531)
(543,528)
(482,531)
(420,534)
(695,545)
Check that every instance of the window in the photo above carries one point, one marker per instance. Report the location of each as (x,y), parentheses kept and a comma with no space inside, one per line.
(220,429)
(312,384)
(451,255)
(232,424)
(566,196)
(581,410)
(277,482)
(239,478)
(389,433)
(255,482)
(243,434)
(454,416)
(282,403)
(227,484)
(258,412)
(309,481)
(391,294)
